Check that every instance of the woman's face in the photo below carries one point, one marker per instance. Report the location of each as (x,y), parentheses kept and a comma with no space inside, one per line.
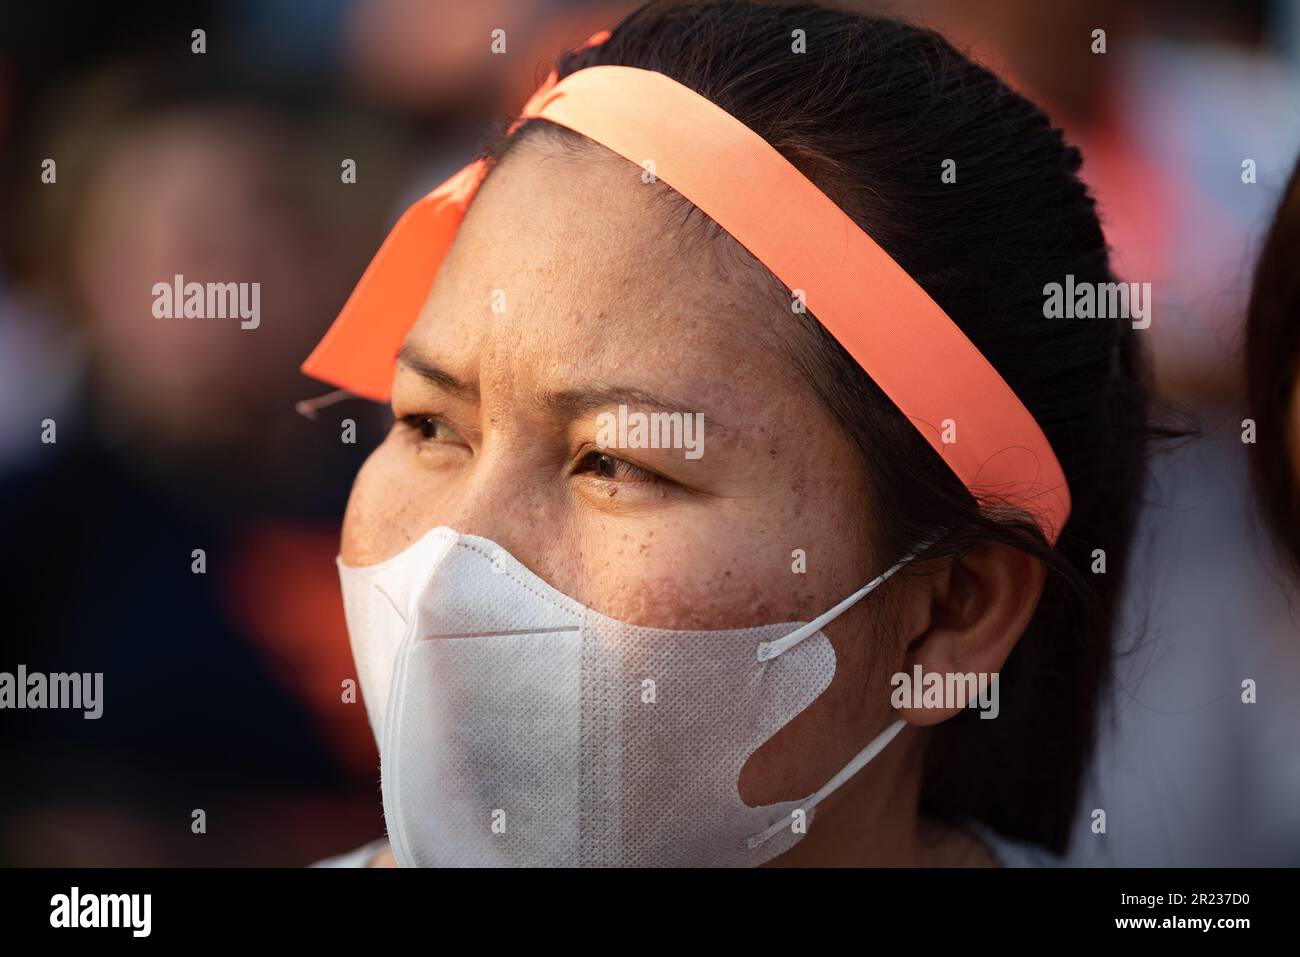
(572,288)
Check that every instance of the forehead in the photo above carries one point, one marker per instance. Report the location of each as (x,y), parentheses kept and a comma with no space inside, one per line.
(570,252)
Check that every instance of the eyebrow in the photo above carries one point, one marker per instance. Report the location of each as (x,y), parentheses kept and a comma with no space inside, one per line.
(439,377)
(566,403)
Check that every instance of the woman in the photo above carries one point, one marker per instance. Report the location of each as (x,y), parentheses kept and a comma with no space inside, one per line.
(826,237)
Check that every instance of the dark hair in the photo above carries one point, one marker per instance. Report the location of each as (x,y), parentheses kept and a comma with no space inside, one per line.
(1272,358)
(869,113)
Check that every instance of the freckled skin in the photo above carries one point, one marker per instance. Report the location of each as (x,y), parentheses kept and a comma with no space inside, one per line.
(597,294)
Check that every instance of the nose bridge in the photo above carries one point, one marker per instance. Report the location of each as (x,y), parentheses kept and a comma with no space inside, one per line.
(511,495)
(513,492)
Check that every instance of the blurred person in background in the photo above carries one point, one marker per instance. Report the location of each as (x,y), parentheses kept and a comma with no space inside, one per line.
(1273,375)
(448,67)
(223,680)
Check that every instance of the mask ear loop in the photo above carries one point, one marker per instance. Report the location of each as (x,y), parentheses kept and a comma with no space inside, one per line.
(853,767)
(767,650)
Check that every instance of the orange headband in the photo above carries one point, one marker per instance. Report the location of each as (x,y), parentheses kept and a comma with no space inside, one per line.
(892,328)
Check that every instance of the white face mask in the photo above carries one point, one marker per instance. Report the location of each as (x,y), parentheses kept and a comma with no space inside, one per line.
(519,727)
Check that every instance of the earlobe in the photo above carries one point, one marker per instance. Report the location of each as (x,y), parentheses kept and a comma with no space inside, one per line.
(978,609)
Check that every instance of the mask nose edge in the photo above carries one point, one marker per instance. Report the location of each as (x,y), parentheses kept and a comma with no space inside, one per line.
(391,578)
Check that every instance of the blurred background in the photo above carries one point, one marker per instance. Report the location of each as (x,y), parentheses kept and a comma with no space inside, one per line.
(223,689)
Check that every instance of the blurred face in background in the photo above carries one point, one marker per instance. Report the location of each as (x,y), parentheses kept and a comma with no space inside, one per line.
(210,195)
(421,55)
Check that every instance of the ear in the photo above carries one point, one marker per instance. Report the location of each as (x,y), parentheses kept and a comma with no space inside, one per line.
(978,607)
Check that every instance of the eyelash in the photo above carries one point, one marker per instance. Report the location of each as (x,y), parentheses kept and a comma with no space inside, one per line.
(415,423)
(638,474)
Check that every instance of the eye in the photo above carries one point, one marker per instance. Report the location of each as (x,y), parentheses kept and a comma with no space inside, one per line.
(604,466)
(429,429)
